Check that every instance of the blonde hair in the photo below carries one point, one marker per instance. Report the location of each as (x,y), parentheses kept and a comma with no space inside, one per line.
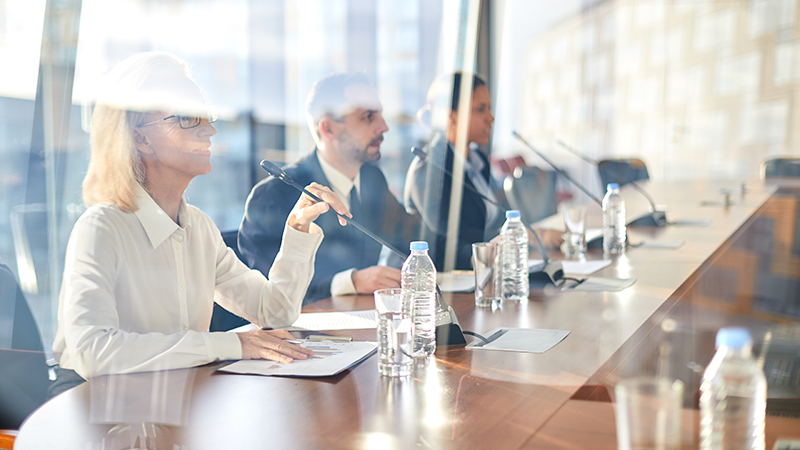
(136,86)
(115,166)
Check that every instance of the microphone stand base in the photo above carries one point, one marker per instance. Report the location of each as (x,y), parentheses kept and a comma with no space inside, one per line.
(546,274)
(448,330)
(653,219)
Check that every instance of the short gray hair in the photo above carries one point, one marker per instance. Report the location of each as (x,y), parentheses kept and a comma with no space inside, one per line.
(327,98)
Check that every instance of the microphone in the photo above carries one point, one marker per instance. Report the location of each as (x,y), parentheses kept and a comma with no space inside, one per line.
(575,152)
(278,173)
(589,243)
(448,330)
(551,272)
(557,169)
(654,218)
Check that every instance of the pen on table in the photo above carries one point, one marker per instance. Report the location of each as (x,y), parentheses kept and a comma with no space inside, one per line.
(316,338)
(291,341)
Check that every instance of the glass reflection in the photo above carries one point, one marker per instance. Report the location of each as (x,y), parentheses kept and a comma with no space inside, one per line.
(409,412)
(673,82)
(141,421)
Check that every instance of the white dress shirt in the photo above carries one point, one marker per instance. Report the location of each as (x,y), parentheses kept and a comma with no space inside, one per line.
(138,289)
(341,184)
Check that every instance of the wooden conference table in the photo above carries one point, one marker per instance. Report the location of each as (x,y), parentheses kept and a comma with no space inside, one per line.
(461,399)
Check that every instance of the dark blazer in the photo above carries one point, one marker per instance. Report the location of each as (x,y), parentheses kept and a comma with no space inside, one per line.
(428,192)
(342,248)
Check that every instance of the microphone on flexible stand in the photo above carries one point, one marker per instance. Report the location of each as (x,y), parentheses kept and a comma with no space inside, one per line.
(448,330)
(559,170)
(654,218)
(551,272)
(589,243)
(580,155)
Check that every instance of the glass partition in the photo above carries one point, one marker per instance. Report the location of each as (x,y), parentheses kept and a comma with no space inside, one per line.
(23,209)
(696,89)
(256,61)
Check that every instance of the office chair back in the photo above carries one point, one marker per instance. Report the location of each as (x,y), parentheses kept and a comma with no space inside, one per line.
(532,191)
(18,329)
(621,171)
(23,366)
(783,167)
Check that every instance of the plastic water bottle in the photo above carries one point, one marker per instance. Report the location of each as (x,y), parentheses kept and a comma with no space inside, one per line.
(514,258)
(733,395)
(419,298)
(614,233)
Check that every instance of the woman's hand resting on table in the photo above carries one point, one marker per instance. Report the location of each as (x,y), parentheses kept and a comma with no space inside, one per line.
(272,345)
(550,238)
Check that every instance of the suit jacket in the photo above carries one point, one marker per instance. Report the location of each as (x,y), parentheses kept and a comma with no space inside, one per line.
(428,191)
(343,248)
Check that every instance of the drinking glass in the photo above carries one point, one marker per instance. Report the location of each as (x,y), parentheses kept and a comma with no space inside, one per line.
(487,280)
(575,224)
(394,334)
(648,413)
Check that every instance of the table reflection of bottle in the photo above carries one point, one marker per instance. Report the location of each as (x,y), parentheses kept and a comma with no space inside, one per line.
(408,411)
(145,408)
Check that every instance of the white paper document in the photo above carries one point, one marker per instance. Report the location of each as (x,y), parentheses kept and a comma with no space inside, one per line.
(329,359)
(584,267)
(456,281)
(345,320)
(602,284)
(520,340)
(574,267)
(593,233)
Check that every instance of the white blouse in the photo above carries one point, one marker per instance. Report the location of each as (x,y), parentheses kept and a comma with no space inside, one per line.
(138,289)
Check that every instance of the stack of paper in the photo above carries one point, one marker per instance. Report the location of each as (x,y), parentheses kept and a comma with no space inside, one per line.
(329,359)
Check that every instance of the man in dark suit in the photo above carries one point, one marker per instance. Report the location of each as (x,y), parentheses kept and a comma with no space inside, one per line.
(344,116)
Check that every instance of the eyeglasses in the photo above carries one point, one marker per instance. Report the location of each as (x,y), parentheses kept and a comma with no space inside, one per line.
(186,121)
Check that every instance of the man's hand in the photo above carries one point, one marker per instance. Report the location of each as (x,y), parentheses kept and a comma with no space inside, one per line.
(371,279)
(306,210)
(550,238)
(271,345)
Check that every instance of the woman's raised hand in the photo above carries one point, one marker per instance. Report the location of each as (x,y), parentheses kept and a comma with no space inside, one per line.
(306,210)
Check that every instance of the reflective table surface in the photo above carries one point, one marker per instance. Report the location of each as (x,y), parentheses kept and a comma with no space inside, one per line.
(457,399)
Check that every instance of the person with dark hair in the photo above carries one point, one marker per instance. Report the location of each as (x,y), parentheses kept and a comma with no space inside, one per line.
(144,268)
(345,117)
(428,188)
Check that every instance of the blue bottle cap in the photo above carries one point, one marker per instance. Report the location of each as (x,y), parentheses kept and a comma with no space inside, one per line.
(419,245)
(512,213)
(734,337)
(612,186)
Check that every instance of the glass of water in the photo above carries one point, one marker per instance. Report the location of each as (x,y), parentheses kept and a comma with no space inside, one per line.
(575,237)
(394,334)
(487,278)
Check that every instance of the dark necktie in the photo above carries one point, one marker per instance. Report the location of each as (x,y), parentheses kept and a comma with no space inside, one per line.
(358,237)
(355,204)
